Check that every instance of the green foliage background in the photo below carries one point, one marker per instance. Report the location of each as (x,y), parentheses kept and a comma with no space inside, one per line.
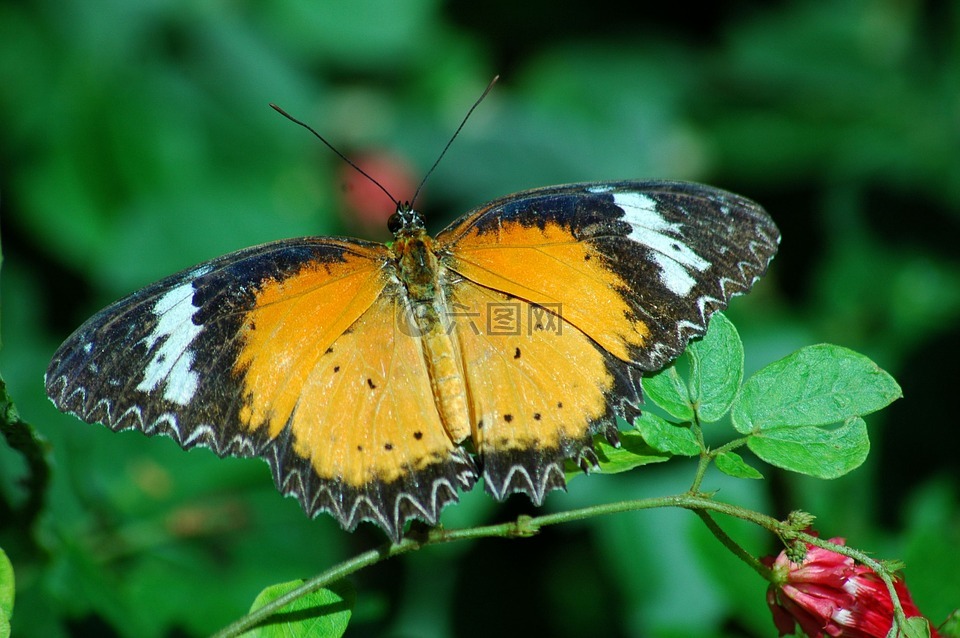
(136,140)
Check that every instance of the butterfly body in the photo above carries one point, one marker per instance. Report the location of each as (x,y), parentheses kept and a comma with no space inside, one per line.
(426,284)
(378,380)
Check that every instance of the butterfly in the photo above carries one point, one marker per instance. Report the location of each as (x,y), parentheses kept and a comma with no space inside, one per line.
(377,380)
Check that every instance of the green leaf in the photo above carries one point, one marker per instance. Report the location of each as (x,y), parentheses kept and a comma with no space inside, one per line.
(322,614)
(667,437)
(633,452)
(668,390)
(951,626)
(6,594)
(916,627)
(716,369)
(820,452)
(816,385)
(733,464)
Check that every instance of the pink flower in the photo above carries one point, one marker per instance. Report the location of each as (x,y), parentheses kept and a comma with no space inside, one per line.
(829,594)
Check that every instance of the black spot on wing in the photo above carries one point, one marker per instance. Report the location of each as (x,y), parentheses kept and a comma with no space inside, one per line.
(535,470)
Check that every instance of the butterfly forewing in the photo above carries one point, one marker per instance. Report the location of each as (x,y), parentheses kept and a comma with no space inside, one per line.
(638,266)
(163,359)
(293,351)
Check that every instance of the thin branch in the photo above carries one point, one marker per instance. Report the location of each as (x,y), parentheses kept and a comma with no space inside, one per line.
(733,546)
(523,527)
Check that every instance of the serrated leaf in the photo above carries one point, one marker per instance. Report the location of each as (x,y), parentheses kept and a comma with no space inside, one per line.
(7,591)
(716,369)
(668,390)
(732,464)
(667,437)
(633,452)
(816,385)
(322,614)
(815,451)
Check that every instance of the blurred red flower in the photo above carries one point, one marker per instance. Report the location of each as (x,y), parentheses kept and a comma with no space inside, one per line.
(829,594)
(367,207)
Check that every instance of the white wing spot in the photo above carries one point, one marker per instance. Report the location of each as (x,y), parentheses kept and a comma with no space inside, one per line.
(172,362)
(673,256)
(602,188)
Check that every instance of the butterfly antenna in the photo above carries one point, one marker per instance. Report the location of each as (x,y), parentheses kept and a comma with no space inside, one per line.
(339,154)
(454,136)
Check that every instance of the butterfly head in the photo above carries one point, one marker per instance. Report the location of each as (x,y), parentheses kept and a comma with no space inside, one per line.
(405,220)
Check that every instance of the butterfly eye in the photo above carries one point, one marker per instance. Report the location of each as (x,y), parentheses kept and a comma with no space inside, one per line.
(394,223)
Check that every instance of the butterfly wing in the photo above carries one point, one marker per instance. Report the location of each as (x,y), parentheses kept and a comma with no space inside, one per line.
(630,271)
(538,389)
(294,352)
(367,441)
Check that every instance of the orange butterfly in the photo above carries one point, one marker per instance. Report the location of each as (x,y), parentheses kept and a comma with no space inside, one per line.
(377,380)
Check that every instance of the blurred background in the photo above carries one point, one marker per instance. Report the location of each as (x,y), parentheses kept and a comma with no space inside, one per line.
(136,140)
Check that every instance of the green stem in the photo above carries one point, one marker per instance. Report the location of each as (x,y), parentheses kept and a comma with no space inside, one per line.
(729,446)
(523,527)
(332,575)
(705,456)
(21,437)
(733,546)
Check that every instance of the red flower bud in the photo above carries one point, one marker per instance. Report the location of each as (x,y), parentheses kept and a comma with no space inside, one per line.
(829,594)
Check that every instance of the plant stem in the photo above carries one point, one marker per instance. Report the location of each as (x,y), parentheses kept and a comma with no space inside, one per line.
(332,575)
(705,456)
(523,527)
(730,445)
(733,546)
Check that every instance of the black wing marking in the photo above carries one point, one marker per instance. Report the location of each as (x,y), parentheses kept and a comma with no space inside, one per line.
(682,249)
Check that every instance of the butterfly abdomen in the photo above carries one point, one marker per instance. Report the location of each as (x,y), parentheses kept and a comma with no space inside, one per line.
(418,270)
(449,385)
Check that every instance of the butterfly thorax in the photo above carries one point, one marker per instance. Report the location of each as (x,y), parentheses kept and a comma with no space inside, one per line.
(417,264)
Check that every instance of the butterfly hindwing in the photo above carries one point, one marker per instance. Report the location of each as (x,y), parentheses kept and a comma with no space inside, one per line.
(539,389)
(366,440)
